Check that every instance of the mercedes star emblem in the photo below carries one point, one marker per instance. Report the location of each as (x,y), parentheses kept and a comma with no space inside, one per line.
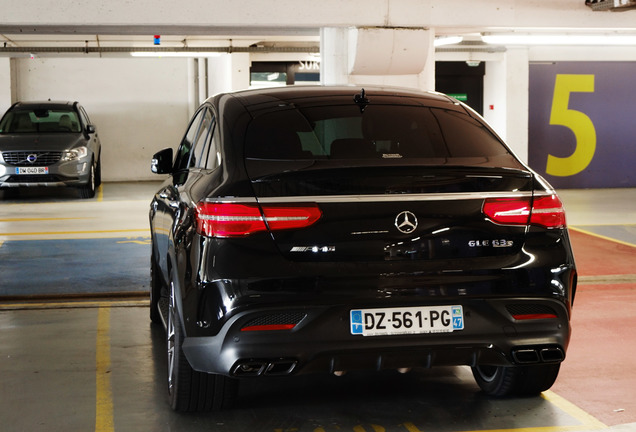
(406,222)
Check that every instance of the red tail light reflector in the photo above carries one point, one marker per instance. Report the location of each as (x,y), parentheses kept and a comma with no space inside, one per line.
(288,217)
(508,211)
(536,316)
(546,211)
(268,327)
(238,220)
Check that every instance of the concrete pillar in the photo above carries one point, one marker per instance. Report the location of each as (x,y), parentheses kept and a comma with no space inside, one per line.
(240,73)
(219,74)
(202,79)
(334,57)
(506,99)
(517,100)
(495,106)
(6,84)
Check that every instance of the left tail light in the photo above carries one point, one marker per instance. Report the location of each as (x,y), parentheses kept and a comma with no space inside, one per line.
(546,211)
(239,220)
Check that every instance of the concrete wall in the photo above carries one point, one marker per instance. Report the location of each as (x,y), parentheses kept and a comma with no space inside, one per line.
(139,105)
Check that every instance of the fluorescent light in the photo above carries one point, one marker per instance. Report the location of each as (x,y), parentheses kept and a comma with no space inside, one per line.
(174,54)
(558,39)
(447,40)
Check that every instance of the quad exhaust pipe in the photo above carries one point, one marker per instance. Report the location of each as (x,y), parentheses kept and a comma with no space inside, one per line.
(253,368)
(538,355)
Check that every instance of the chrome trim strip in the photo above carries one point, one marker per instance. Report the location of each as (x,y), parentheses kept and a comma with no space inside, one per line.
(377,198)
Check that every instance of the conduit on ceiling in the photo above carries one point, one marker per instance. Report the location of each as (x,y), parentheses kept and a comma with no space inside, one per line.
(222,50)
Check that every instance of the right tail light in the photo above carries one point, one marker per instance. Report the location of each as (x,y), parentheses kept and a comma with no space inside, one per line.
(545,211)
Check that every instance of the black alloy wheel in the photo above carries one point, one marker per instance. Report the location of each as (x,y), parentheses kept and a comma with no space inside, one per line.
(155,291)
(88,190)
(516,380)
(189,390)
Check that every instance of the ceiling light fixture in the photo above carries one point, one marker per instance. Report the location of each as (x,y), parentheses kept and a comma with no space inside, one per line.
(559,39)
(447,40)
(190,54)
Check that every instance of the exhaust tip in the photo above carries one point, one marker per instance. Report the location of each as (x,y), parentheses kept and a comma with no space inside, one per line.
(281,367)
(539,354)
(551,355)
(253,368)
(525,356)
(249,368)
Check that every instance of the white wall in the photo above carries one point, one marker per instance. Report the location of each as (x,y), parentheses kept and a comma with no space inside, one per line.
(138,105)
(5,87)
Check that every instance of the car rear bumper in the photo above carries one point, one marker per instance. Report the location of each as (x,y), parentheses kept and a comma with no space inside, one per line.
(322,342)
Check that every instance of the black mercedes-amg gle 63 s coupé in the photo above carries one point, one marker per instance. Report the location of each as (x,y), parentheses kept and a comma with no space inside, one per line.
(328,229)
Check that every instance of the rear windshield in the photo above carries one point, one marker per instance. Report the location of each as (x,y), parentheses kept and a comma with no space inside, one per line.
(382,132)
(40,120)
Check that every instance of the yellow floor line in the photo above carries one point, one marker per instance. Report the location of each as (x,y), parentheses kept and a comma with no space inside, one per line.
(43,219)
(74,232)
(74,304)
(104,392)
(588,421)
(602,236)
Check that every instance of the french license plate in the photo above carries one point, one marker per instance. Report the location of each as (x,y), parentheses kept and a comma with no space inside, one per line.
(32,170)
(407,320)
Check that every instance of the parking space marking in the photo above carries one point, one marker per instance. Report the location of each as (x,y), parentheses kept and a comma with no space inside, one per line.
(104,391)
(75,232)
(41,219)
(588,421)
(53,304)
(593,234)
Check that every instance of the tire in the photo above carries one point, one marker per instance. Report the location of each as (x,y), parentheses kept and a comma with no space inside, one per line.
(189,390)
(88,190)
(155,292)
(98,173)
(516,380)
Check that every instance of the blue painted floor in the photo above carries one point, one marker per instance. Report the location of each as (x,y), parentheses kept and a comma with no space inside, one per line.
(78,266)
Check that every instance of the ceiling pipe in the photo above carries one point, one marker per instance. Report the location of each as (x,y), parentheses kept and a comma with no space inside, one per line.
(103,50)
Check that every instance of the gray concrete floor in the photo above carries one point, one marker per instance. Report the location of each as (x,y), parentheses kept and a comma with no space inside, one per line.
(96,363)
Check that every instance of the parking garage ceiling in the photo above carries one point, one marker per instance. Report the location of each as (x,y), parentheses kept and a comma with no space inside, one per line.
(280,28)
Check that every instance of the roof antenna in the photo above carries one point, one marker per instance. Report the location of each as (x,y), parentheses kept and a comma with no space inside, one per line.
(361,100)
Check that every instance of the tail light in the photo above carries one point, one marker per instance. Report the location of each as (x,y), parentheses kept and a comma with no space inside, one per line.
(239,220)
(546,211)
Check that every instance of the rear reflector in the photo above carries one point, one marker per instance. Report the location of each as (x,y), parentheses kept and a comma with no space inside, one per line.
(548,211)
(537,316)
(545,211)
(268,327)
(238,220)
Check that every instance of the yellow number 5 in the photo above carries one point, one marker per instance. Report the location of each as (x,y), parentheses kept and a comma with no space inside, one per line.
(576,121)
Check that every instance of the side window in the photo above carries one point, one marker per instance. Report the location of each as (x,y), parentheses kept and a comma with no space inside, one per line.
(84,118)
(214,156)
(85,121)
(202,144)
(184,152)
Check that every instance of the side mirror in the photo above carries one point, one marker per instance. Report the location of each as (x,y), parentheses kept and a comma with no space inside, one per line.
(162,162)
(90,129)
